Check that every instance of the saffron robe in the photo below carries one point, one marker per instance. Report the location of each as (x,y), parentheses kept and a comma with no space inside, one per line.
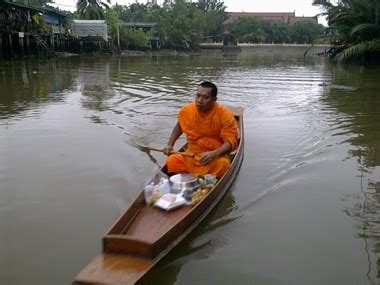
(204,132)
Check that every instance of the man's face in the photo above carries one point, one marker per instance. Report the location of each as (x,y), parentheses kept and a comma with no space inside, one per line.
(203,99)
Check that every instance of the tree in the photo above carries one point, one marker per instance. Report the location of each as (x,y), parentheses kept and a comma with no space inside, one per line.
(248,29)
(135,12)
(211,5)
(112,19)
(215,14)
(183,25)
(92,9)
(134,39)
(305,31)
(276,32)
(353,28)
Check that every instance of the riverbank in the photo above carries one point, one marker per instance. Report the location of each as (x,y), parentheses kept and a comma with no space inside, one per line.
(204,48)
(242,47)
(251,47)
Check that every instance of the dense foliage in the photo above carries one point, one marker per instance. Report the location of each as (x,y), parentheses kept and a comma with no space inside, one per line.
(183,25)
(354,28)
(257,30)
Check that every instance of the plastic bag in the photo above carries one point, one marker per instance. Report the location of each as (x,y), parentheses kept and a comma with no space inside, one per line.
(156,186)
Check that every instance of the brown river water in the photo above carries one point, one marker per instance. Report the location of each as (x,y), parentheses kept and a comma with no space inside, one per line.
(304,208)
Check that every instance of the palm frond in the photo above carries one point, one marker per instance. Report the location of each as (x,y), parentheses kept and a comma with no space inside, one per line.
(324,3)
(92,9)
(81,4)
(365,28)
(358,50)
(105,5)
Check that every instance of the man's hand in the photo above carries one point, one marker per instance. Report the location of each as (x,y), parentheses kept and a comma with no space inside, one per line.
(207,157)
(168,150)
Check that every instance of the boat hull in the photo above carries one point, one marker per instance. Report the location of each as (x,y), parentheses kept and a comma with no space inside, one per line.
(143,235)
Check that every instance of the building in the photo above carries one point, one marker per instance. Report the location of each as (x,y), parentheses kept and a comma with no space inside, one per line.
(288,18)
(90,29)
(89,36)
(27,28)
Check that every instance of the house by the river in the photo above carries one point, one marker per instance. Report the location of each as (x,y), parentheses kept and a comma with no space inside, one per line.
(28,29)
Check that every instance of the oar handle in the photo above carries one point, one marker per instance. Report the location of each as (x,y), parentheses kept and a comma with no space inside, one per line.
(171,152)
(182,153)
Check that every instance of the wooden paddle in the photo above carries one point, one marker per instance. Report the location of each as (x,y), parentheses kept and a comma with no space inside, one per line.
(163,150)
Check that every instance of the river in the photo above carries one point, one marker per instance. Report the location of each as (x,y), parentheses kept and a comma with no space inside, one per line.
(304,208)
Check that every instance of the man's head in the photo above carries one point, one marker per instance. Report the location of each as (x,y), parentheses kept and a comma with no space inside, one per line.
(206,96)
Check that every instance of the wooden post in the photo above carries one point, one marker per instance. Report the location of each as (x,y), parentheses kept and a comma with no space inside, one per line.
(10,44)
(52,41)
(22,46)
(38,49)
(21,41)
(28,45)
(1,46)
(60,42)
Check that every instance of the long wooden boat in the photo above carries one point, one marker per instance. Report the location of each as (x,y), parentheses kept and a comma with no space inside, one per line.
(143,235)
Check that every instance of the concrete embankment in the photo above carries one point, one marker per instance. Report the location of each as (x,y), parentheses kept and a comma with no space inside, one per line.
(268,48)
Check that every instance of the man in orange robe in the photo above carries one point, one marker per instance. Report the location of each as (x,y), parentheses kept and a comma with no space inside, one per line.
(211,132)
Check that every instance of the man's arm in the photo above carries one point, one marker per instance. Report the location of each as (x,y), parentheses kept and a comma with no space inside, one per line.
(176,133)
(208,156)
(228,134)
(224,149)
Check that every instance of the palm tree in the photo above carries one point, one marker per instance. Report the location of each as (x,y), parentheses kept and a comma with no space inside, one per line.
(354,28)
(92,9)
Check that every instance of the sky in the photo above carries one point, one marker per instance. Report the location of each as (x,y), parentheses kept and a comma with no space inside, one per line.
(301,7)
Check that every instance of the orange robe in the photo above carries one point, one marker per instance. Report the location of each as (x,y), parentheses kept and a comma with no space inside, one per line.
(204,132)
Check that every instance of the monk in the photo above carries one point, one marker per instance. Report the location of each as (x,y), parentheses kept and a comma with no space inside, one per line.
(211,132)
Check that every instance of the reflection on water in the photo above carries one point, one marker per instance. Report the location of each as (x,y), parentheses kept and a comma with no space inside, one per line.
(71,128)
(360,112)
(25,86)
(359,115)
(365,211)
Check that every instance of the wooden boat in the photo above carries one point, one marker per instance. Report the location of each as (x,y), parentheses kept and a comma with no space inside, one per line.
(143,235)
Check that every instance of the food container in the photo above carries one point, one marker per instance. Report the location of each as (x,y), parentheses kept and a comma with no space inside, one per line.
(170,201)
(184,183)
